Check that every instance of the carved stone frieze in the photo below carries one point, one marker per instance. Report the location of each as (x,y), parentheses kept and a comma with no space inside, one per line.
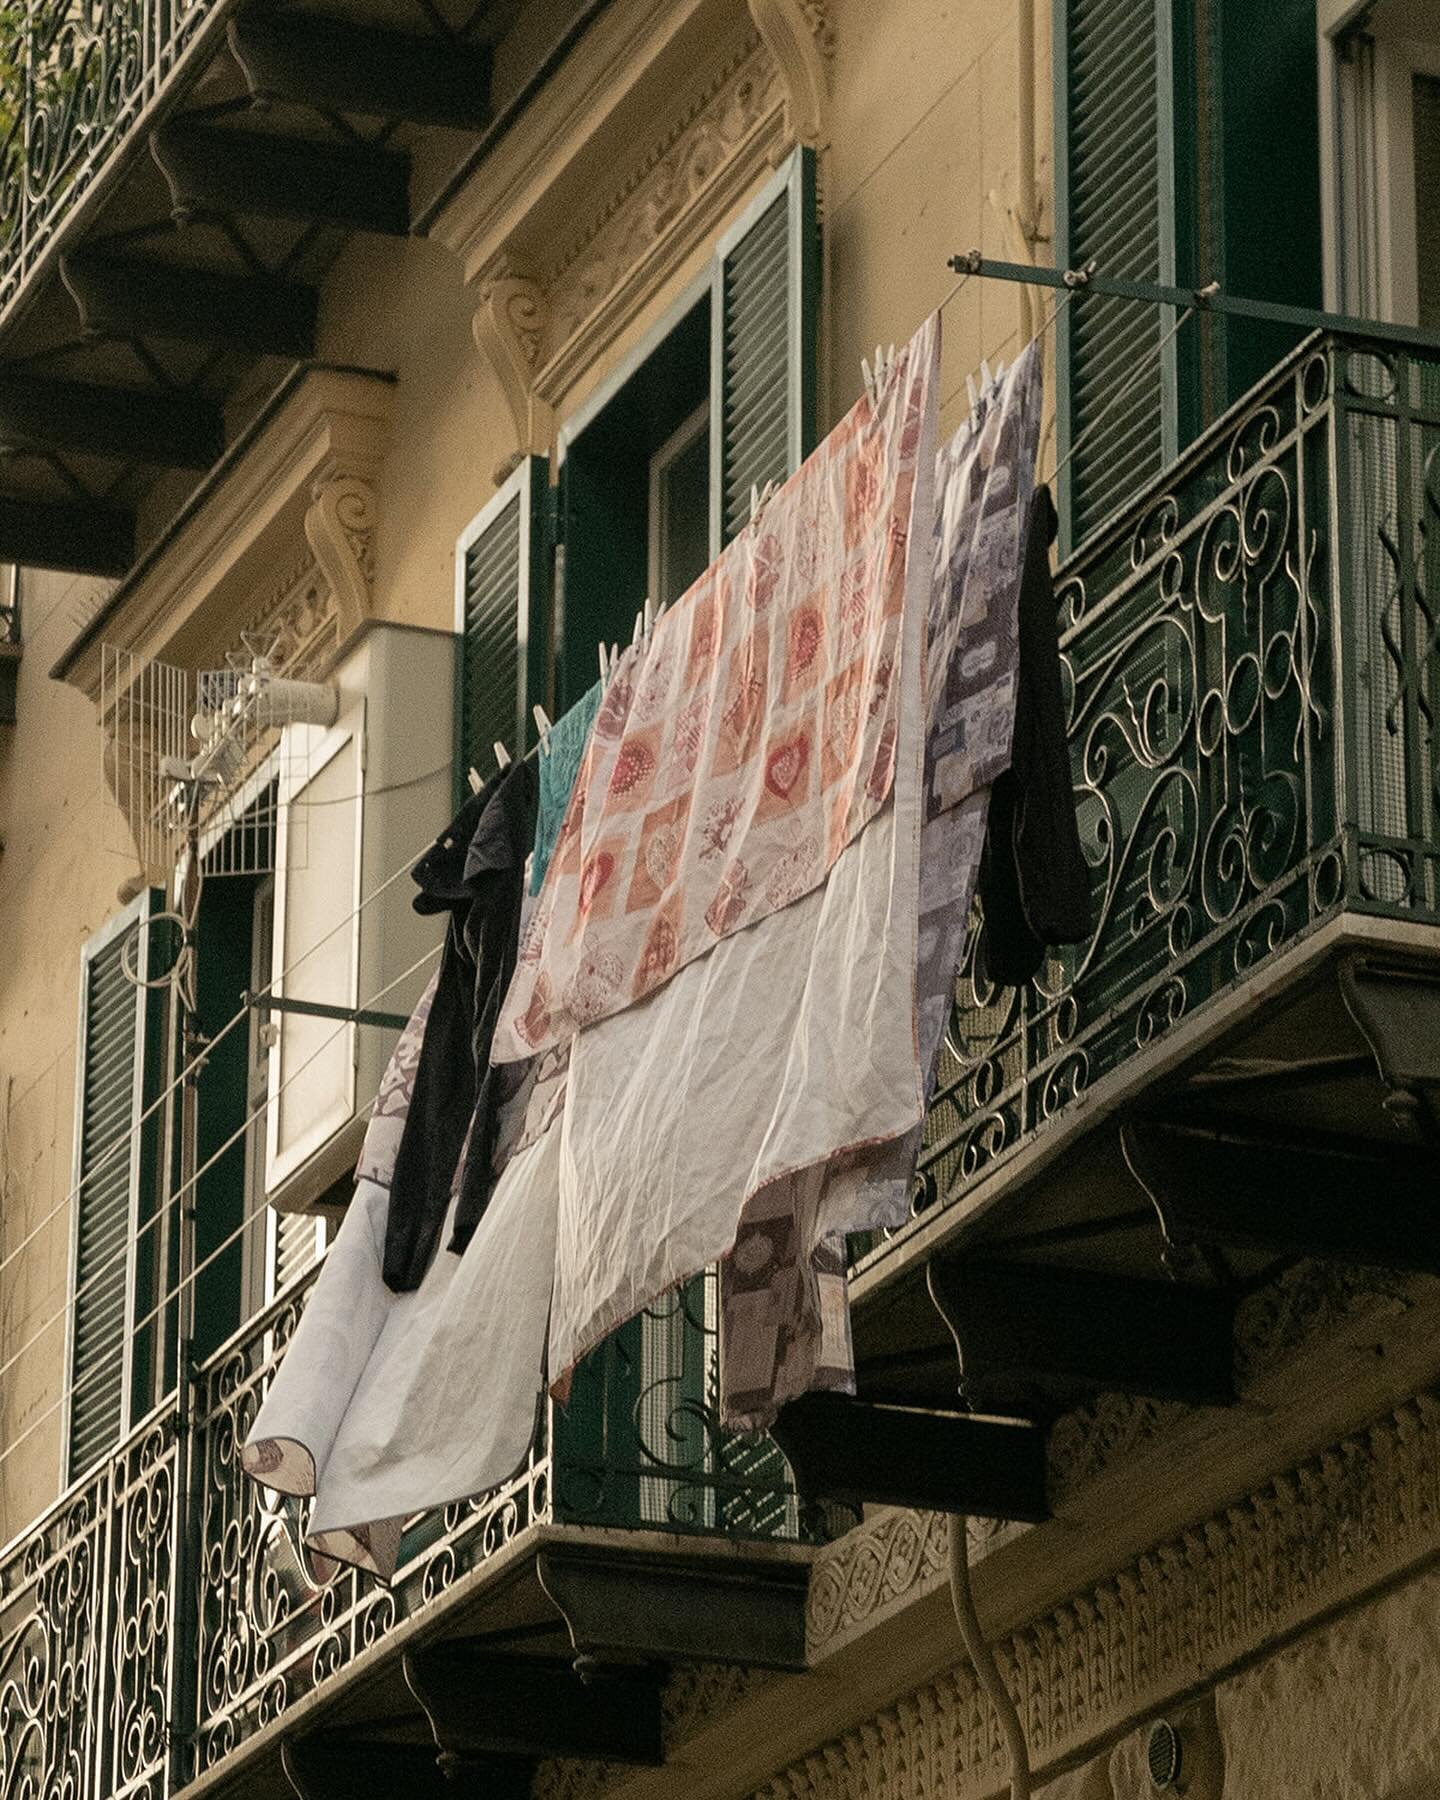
(696,158)
(1199,1604)
(550,300)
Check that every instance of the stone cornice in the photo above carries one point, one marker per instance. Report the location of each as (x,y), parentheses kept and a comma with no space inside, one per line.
(300,499)
(668,117)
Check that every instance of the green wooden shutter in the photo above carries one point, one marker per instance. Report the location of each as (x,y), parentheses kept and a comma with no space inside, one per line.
(764,307)
(501,585)
(1113,193)
(108,1166)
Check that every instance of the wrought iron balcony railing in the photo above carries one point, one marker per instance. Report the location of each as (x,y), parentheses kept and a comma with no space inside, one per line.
(166,1609)
(76,78)
(1252,666)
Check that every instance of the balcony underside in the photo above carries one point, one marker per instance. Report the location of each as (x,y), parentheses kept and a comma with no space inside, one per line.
(1293,1117)
(161,277)
(555,1646)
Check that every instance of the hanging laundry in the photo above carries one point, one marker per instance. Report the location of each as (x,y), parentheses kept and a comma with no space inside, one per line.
(789,1043)
(1034,885)
(360,1417)
(784,1311)
(747,741)
(559,766)
(475,872)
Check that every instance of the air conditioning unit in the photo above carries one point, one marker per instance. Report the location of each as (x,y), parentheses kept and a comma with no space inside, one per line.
(359,800)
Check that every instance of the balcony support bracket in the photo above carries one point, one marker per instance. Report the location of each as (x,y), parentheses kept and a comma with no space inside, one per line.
(127,298)
(1024,1323)
(167,430)
(213,173)
(335,66)
(1341,1200)
(860,1451)
(1397,1007)
(481,1704)
(618,1605)
(81,540)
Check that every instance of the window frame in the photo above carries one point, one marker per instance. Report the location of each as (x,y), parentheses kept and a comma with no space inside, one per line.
(299,768)
(661,462)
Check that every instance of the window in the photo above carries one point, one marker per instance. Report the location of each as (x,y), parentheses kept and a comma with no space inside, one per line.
(654,474)
(1187,150)
(118,1247)
(1383,93)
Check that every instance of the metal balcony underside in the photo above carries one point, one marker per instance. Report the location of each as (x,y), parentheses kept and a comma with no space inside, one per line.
(1241,1068)
(175,179)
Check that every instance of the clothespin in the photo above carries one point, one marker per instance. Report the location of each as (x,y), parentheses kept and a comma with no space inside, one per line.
(985,379)
(649,615)
(502,755)
(473,777)
(604,663)
(542,725)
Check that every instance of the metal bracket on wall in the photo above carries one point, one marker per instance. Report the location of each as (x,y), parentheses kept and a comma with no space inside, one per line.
(1089,280)
(316,1009)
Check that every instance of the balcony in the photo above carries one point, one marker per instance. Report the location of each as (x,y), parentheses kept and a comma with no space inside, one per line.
(78,79)
(1247,1050)
(163,1624)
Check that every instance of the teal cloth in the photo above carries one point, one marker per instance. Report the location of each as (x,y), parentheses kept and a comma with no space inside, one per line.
(559,765)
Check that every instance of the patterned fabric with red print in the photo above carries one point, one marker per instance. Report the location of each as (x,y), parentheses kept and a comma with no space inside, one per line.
(739,750)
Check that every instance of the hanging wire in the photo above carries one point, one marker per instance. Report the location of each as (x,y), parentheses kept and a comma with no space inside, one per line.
(127,1138)
(185,1188)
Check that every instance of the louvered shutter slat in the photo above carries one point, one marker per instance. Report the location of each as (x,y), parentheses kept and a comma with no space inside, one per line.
(1113,200)
(105,1202)
(766,294)
(502,586)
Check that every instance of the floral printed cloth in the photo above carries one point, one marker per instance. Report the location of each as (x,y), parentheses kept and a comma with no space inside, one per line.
(784,1315)
(739,750)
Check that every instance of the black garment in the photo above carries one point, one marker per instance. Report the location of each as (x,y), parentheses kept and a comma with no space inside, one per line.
(475,872)
(1034,885)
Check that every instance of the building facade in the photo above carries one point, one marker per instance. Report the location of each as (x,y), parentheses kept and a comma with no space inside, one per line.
(402,354)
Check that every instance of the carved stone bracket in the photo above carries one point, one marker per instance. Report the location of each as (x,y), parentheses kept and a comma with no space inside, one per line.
(562,248)
(340,529)
(800,37)
(510,324)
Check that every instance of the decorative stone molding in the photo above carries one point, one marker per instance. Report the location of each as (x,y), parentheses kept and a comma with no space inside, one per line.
(302,500)
(801,39)
(1201,1604)
(510,324)
(715,92)
(302,496)
(340,528)
(682,197)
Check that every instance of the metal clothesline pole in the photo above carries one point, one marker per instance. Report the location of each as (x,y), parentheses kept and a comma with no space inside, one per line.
(1089,280)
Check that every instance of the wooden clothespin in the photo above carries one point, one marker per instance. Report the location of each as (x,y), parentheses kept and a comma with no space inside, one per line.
(542,725)
(648,611)
(502,755)
(473,777)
